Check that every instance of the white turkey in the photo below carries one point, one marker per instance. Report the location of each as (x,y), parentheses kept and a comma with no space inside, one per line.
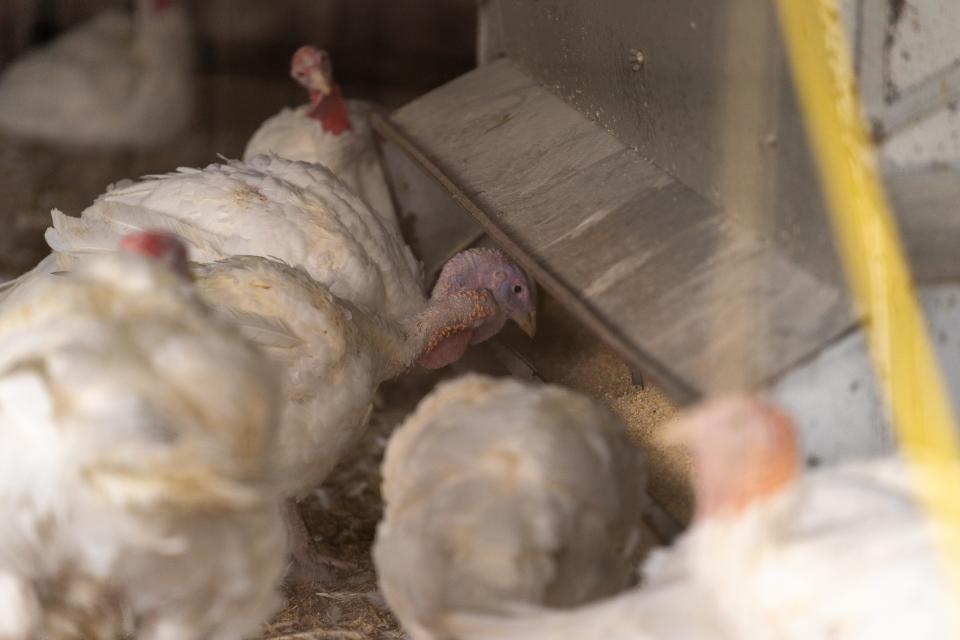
(498,493)
(335,353)
(303,216)
(328,130)
(136,435)
(841,553)
(297,212)
(116,80)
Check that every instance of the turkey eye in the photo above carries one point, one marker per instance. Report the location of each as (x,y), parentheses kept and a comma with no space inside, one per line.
(517,288)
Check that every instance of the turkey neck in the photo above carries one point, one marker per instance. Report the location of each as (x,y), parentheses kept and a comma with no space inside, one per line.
(330,111)
(405,341)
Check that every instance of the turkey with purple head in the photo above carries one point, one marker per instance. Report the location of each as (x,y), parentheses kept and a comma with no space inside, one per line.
(335,353)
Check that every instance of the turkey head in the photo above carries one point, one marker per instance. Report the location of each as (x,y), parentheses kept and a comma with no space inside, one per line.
(311,67)
(513,298)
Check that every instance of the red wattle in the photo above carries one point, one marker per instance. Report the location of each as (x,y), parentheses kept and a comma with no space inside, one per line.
(447,352)
(331,111)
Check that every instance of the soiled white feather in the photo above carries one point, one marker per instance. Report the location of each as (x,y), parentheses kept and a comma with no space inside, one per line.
(294,211)
(263,330)
(498,493)
(117,219)
(333,354)
(136,430)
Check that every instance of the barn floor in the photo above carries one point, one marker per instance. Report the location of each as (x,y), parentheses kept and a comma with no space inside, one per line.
(343,514)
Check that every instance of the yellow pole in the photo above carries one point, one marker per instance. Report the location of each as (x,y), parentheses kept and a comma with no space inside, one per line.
(904,361)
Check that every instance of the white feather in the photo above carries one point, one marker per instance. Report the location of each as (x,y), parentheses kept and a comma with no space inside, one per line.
(294,211)
(500,493)
(353,155)
(135,438)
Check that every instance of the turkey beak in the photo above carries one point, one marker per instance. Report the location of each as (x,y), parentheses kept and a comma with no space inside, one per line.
(528,324)
(318,82)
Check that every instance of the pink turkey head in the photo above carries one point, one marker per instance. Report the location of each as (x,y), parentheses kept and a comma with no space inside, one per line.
(165,248)
(311,67)
(743,450)
(494,270)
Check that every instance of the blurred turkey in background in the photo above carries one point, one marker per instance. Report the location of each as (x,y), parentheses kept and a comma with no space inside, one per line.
(387,53)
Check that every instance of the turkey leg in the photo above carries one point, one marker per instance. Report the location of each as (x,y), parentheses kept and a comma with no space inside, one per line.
(309,565)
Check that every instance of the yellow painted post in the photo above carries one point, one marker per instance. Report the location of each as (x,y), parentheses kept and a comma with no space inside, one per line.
(903,358)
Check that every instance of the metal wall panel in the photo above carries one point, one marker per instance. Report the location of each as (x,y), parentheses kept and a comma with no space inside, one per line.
(708,100)
(909,76)
(835,399)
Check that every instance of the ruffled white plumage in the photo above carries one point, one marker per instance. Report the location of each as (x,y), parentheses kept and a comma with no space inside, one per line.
(297,212)
(136,431)
(500,493)
(333,355)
